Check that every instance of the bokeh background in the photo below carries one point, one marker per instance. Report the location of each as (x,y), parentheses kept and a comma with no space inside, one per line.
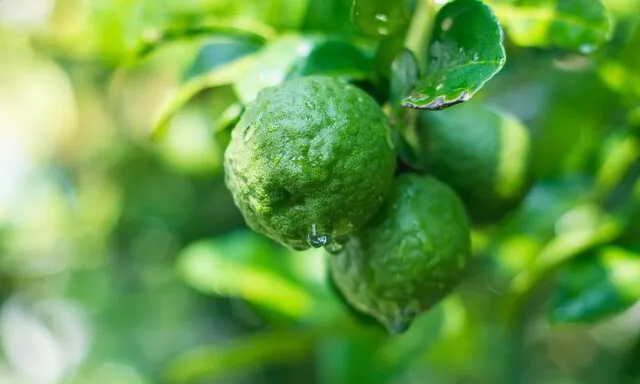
(123,259)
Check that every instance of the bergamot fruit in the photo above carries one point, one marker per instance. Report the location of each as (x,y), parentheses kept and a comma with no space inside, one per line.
(482,154)
(409,256)
(310,161)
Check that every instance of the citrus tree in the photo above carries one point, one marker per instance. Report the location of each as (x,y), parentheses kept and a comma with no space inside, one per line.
(339,191)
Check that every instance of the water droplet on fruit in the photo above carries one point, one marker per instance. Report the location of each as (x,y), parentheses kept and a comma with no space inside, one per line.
(315,239)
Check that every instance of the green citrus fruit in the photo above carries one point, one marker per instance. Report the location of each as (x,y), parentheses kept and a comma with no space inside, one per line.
(310,161)
(482,154)
(409,256)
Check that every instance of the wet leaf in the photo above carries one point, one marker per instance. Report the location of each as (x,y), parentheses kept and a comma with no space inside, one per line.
(596,286)
(465,52)
(576,25)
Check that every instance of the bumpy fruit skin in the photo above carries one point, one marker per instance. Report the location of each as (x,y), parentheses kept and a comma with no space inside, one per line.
(310,160)
(484,156)
(412,253)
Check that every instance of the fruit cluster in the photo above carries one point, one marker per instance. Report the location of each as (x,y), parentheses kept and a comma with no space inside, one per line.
(311,163)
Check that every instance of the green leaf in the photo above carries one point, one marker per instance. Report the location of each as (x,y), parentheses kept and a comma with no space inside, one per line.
(292,55)
(333,58)
(596,286)
(405,72)
(347,360)
(578,230)
(220,75)
(214,363)
(218,62)
(247,266)
(225,123)
(220,52)
(576,25)
(156,37)
(620,70)
(465,52)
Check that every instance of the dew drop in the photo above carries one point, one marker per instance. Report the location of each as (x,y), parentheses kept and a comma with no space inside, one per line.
(315,239)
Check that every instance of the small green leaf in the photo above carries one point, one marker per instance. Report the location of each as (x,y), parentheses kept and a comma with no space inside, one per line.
(333,58)
(596,286)
(247,266)
(465,52)
(576,25)
(405,72)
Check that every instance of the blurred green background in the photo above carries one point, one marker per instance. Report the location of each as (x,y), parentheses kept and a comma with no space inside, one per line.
(124,260)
